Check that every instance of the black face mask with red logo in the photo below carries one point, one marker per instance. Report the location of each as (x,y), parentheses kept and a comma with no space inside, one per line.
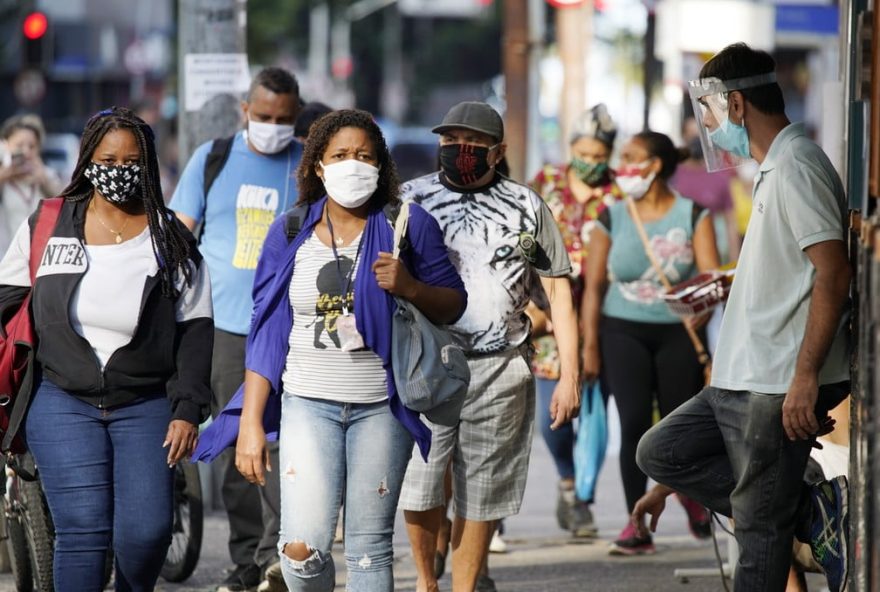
(464,164)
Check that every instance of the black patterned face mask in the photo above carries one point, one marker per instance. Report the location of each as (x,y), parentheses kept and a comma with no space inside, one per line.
(117,184)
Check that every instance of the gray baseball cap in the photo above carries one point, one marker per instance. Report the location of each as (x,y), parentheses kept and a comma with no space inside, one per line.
(473,115)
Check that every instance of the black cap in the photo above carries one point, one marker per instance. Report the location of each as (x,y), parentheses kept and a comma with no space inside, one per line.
(473,115)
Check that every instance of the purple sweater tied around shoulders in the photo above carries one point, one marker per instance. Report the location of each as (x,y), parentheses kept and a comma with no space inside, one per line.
(268,341)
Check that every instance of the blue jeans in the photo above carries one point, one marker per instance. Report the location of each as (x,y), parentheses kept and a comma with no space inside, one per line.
(106,479)
(728,451)
(560,442)
(332,454)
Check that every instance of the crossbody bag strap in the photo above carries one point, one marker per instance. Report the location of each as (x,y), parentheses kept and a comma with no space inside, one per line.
(47,218)
(702,354)
(400,226)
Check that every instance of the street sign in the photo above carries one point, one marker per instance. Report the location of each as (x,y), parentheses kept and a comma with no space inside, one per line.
(444,8)
(207,75)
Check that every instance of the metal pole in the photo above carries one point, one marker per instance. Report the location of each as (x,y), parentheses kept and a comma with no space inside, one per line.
(574,35)
(515,64)
(652,66)
(208,26)
(393,98)
(534,154)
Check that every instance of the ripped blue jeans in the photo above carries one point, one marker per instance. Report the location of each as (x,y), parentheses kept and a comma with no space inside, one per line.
(334,454)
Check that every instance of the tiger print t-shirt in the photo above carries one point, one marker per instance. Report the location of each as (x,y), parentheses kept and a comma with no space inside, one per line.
(497,237)
(316,366)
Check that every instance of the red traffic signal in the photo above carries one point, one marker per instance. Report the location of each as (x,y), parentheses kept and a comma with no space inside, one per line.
(35,25)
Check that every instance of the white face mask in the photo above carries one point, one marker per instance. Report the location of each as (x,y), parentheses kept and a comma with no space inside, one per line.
(634,184)
(350,183)
(269,138)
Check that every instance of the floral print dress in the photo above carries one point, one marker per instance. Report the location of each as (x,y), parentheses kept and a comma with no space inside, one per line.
(575,221)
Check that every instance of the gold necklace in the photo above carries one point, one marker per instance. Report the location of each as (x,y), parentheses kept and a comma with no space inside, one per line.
(340,240)
(119,232)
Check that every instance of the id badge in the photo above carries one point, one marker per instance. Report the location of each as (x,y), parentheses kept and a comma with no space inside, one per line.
(349,338)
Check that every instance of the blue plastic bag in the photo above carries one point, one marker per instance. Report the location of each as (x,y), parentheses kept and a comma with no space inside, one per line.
(592,440)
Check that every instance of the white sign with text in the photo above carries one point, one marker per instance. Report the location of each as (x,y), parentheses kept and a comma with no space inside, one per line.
(210,74)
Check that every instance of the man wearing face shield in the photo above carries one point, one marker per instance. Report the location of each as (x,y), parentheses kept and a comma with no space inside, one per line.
(741,445)
(234,188)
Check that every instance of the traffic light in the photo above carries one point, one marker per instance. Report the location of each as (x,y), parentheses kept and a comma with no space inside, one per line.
(33,29)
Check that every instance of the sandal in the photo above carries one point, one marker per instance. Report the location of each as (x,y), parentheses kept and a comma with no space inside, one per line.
(440,558)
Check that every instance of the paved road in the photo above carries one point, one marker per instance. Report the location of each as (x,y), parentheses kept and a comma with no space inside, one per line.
(540,556)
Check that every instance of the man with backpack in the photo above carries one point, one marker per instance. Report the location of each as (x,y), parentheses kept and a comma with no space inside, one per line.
(234,188)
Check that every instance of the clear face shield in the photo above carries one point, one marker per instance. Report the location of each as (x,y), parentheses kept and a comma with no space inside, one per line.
(725,143)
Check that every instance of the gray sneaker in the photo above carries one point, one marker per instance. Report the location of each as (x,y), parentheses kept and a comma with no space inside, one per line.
(273,581)
(582,524)
(564,504)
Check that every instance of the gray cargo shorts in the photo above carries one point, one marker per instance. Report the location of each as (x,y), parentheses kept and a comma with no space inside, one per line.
(489,448)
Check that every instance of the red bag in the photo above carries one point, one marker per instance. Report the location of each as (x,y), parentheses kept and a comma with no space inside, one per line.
(19,340)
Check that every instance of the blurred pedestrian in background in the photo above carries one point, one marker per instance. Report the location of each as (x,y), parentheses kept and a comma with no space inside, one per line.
(309,114)
(122,310)
(345,436)
(24,178)
(630,334)
(250,181)
(576,192)
(711,190)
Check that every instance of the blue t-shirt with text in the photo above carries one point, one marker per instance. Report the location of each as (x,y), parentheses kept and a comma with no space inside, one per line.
(249,193)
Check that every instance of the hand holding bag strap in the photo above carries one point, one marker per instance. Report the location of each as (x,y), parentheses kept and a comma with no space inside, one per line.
(400,226)
(702,355)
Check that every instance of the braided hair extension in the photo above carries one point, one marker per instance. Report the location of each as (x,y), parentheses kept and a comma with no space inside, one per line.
(169,241)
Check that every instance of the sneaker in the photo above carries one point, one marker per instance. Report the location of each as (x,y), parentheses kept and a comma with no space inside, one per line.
(497,544)
(630,543)
(699,518)
(485,584)
(582,524)
(243,578)
(829,526)
(273,581)
(564,503)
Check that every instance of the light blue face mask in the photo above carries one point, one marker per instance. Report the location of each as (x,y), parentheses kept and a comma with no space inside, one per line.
(732,137)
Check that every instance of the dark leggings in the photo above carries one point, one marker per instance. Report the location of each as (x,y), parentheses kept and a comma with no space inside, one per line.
(642,361)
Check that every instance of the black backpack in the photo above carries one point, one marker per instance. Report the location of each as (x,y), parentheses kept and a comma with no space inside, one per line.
(216,160)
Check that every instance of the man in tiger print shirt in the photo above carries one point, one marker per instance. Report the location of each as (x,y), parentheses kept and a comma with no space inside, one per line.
(500,235)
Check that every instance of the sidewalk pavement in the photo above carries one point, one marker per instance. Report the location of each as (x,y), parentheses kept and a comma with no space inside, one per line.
(540,557)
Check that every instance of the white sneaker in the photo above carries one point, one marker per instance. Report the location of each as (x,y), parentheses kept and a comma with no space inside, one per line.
(497,544)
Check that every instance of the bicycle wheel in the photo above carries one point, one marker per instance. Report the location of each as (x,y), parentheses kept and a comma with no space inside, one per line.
(186,537)
(40,533)
(19,556)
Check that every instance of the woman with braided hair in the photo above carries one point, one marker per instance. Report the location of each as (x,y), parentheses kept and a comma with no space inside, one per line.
(122,312)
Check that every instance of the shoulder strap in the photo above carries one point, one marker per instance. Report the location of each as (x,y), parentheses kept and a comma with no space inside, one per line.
(47,218)
(658,269)
(216,160)
(400,226)
(696,212)
(702,355)
(294,219)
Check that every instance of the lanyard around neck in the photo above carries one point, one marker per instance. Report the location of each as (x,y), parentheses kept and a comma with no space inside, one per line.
(344,280)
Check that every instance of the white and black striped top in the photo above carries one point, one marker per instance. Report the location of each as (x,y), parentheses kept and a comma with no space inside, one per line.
(316,366)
